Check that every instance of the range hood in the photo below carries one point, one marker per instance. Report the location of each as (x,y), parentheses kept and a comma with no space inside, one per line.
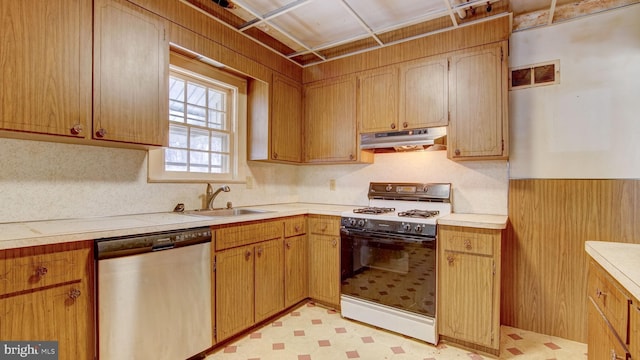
(406,140)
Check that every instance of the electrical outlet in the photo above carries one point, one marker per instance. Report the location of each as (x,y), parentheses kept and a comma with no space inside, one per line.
(332,184)
(249,181)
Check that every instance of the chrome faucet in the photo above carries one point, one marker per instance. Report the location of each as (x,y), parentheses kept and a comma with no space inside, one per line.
(211,195)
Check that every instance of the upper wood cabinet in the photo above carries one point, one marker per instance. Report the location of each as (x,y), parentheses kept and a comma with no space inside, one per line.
(478,127)
(424,93)
(131,71)
(377,107)
(330,125)
(45,72)
(286,120)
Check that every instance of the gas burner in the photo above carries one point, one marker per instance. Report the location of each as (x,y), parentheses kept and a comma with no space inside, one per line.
(374,210)
(418,213)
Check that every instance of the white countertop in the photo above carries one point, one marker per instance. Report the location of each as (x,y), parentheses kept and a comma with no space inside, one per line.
(23,234)
(475,220)
(621,260)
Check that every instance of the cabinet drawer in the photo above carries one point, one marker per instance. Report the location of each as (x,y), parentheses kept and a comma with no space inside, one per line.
(324,225)
(32,268)
(611,301)
(230,236)
(295,226)
(469,240)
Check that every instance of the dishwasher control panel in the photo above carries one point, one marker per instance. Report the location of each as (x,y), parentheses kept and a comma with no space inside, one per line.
(106,248)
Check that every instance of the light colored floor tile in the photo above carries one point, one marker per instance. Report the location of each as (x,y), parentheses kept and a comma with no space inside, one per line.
(353,340)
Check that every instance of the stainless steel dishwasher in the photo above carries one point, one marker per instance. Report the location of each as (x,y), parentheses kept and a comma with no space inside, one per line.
(154,295)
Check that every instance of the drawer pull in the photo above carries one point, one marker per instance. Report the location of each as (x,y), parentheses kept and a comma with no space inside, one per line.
(600,294)
(297,228)
(615,356)
(450,259)
(467,244)
(41,271)
(334,243)
(74,294)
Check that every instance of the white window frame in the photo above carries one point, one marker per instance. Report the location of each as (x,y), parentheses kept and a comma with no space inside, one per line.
(205,74)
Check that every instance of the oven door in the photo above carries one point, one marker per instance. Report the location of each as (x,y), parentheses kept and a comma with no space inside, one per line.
(396,270)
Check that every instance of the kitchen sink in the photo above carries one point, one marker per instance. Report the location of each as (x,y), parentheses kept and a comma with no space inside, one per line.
(226,212)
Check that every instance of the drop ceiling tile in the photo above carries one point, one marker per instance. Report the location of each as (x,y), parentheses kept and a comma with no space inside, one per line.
(383,14)
(263,7)
(319,23)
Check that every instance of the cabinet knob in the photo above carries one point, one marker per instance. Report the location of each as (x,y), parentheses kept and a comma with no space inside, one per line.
(76,129)
(405,124)
(457,151)
(450,259)
(275,155)
(296,228)
(259,251)
(600,293)
(288,244)
(393,126)
(615,356)
(41,271)
(351,157)
(247,255)
(101,133)
(74,294)
(467,244)
(334,243)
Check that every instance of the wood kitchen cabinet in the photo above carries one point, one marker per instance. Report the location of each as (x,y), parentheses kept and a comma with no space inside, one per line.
(130,74)
(249,275)
(296,261)
(469,286)
(324,259)
(478,127)
(45,75)
(377,100)
(46,295)
(609,330)
(424,93)
(634,329)
(330,125)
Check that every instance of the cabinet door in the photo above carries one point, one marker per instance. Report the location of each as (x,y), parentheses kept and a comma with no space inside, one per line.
(131,67)
(45,72)
(61,313)
(234,291)
(330,121)
(602,341)
(377,100)
(634,326)
(324,268)
(286,120)
(476,96)
(424,94)
(269,278)
(296,265)
(466,288)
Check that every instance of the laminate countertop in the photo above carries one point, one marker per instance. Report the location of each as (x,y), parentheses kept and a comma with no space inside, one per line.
(46,232)
(621,260)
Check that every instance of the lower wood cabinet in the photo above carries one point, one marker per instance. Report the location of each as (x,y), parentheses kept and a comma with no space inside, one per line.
(296,261)
(324,259)
(269,278)
(469,286)
(47,296)
(603,341)
(634,336)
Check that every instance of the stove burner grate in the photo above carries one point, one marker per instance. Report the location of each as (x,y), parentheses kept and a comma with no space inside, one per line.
(374,210)
(419,213)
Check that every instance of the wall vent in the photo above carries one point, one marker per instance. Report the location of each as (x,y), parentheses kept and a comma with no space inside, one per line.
(545,73)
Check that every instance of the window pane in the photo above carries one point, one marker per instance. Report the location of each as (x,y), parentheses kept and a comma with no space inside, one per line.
(196,94)
(178,136)
(175,160)
(199,161)
(199,139)
(219,163)
(216,100)
(196,115)
(216,120)
(176,111)
(220,142)
(176,89)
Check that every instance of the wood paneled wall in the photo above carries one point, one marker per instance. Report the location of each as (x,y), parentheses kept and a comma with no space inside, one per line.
(544,271)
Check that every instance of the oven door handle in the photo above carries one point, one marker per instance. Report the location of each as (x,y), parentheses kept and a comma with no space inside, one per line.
(386,237)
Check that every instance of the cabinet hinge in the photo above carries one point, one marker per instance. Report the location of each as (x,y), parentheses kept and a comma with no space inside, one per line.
(449,116)
(215,332)
(501,55)
(502,144)
(448,65)
(164,34)
(494,268)
(214,263)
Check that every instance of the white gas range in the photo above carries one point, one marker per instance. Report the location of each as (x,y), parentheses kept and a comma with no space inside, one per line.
(388,264)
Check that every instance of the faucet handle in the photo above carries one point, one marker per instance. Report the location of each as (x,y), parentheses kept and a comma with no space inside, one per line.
(209,189)
(229,205)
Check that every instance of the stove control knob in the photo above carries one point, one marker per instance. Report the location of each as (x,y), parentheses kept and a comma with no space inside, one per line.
(406,227)
(389,188)
(352,222)
(361,223)
(418,228)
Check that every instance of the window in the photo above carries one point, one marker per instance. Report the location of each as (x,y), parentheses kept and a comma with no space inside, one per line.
(207,116)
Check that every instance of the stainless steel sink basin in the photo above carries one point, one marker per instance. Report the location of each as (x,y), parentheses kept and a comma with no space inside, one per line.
(226,212)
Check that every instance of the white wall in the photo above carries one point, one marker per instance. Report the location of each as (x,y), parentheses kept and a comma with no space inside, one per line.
(478,186)
(40,180)
(588,126)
